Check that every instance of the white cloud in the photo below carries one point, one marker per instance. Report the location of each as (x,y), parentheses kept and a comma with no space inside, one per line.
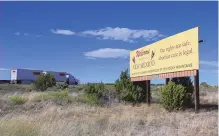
(124,34)
(26,34)
(17,33)
(108,53)
(31,68)
(63,32)
(209,71)
(91,58)
(209,63)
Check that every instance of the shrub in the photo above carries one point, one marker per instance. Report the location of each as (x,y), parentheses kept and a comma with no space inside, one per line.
(98,93)
(95,89)
(118,85)
(173,96)
(89,99)
(132,93)
(204,84)
(189,88)
(74,89)
(45,81)
(62,86)
(17,100)
(127,90)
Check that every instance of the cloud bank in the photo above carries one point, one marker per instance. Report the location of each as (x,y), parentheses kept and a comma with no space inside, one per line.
(108,53)
(123,34)
(117,33)
(62,32)
(209,63)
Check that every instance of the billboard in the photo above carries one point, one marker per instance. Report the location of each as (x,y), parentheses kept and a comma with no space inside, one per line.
(179,52)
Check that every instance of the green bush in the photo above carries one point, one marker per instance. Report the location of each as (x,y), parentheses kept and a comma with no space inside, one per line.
(62,86)
(189,88)
(17,100)
(132,93)
(173,96)
(45,81)
(118,85)
(88,99)
(97,93)
(95,89)
(127,90)
(204,84)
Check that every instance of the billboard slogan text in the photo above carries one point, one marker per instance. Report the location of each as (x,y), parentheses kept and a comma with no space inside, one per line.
(175,53)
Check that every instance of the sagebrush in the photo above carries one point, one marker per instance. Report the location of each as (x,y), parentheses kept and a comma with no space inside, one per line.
(189,88)
(173,96)
(17,100)
(94,92)
(45,81)
(128,91)
(204,84)
(62,86)
(95,89)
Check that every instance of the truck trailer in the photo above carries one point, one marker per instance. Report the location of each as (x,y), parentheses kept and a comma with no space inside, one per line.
(24,76)
(27,76)
(59,76)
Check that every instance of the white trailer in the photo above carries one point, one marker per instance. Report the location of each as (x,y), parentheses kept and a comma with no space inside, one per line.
(59,76)
(24,76)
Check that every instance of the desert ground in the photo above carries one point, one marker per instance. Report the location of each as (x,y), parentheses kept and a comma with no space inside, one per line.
(49,114)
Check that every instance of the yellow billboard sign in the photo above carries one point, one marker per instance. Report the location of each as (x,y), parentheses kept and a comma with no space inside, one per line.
(179,52)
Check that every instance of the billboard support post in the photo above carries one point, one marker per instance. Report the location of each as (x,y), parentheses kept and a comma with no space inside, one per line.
(148,92)
(196,86)
(167,81)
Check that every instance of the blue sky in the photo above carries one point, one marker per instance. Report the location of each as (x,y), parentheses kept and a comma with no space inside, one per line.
(92,40)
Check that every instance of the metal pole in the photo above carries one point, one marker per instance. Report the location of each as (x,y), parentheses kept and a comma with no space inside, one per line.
(167,81)
(148,92)
(196,86)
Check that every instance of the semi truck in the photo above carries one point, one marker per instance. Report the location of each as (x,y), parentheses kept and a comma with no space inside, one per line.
(27,76)
(24,76)
(71,80)
(59,76)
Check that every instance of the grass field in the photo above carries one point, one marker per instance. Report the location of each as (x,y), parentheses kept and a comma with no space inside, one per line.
(54,113)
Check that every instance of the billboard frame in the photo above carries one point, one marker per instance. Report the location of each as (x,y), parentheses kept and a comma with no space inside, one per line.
(169,75)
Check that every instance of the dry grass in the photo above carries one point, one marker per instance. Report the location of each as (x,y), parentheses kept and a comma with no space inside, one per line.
(122,120)
(209,95)
(77,119)
(18,128)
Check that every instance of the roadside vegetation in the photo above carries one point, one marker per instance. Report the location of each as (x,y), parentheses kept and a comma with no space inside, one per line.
(48,108)
(44,81)
(17,100)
